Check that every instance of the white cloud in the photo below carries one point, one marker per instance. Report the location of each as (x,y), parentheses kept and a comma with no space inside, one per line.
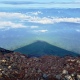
(36,13)
(32,27)
(18,15)
(78,30)
(42,31)
(43,20)
(12,15)
(23,18)
(52,20)
(8,25)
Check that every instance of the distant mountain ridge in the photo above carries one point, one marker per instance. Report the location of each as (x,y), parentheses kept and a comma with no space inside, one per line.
(41,48)
(4,51)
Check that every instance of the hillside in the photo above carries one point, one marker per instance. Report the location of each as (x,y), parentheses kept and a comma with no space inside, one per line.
(4,51)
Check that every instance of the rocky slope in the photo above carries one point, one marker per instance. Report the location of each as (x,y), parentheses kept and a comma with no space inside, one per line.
(16,66)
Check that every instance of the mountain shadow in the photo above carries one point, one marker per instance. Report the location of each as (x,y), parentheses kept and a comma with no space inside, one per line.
(40,48)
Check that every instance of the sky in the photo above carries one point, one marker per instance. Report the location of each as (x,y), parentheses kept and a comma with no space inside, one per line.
(41,3)
(24,21)
(45,0)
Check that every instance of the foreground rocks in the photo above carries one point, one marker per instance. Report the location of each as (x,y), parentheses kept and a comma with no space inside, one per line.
(16,66)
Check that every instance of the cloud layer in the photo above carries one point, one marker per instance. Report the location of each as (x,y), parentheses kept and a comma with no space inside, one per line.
(18,20)
(8,24)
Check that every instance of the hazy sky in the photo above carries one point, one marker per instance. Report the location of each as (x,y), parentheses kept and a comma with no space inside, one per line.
(45,0)
(19,24)
(41,3)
